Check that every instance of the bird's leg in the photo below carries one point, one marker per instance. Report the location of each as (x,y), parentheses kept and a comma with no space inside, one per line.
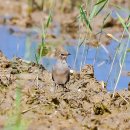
(65,89)
(54,87)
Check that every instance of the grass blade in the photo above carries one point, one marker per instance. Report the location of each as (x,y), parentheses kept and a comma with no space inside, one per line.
(121,20)
(101,8)
(37,58)
(106,17)
(123,24)
(122,59)
(84,17)
(49,20)
(128,50)
(128,25)
(93,12)
(100,2)
(117,6)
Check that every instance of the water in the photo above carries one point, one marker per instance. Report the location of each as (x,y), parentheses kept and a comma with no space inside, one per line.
(15,45)
(23,46)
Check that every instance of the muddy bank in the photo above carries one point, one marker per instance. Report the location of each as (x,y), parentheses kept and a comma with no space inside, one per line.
(65,24)
(87,105)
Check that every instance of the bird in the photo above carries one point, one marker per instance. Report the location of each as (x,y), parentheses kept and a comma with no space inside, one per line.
(61,70)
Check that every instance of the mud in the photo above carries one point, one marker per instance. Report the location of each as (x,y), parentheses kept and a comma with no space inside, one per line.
(65,21)
(86,105)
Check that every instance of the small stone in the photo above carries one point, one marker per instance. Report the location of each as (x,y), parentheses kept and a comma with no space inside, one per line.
(15,71)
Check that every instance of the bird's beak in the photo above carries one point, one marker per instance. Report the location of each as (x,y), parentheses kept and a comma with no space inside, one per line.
(68,54)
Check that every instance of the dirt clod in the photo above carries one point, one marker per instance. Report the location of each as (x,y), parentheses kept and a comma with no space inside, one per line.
(85,106)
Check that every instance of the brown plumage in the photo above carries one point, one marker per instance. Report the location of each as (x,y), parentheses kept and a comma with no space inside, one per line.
(61,71)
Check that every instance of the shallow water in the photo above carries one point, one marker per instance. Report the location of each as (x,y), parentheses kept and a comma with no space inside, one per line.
(22,45)
(16,45)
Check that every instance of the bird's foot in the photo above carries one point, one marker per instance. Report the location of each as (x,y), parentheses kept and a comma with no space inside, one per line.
(65,89)
(54,88)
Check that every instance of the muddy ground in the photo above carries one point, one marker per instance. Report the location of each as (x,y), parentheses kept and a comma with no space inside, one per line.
(86,105)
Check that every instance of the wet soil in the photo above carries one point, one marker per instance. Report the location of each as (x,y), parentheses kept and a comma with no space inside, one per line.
(86,105)
(64,20)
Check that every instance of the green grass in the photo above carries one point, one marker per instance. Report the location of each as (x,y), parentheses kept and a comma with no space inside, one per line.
(86,19)
(122,50)
(43,50)
(15,120)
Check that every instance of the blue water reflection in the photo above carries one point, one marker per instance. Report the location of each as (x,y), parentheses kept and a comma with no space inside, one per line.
(15,45)
(24,47)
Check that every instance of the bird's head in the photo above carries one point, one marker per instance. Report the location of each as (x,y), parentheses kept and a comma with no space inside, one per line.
(63,55)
